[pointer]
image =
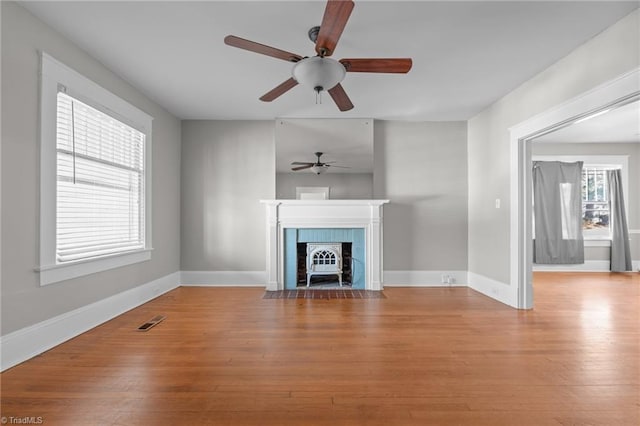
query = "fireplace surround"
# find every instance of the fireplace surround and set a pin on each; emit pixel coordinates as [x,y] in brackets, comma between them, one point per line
[324,214]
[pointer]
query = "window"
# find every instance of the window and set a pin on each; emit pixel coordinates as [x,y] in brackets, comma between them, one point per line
[595,201]
[100,183]
[95,193]
[595,192]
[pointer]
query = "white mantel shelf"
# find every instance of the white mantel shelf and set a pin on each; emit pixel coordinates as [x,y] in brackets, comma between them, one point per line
[282,214]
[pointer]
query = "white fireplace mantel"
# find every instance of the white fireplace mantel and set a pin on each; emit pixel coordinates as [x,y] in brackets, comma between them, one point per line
[282,214]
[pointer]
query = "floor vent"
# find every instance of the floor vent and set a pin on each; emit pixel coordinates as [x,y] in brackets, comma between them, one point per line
[153,321]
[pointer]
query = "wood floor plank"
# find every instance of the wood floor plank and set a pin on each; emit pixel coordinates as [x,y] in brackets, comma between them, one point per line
[441,356]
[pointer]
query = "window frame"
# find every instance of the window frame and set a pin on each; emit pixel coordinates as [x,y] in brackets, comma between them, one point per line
[597,238]
[56,77]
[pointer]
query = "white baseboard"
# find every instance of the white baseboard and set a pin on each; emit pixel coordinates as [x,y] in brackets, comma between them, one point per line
[587,266]
[424,278]
[494,289]
[30,341]
[223,278]
[259,278]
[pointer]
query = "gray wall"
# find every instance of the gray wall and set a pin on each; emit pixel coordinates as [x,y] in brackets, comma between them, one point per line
[358,186]
[606,56]
[422,169]
[24,302]
[633,191]
[227,167]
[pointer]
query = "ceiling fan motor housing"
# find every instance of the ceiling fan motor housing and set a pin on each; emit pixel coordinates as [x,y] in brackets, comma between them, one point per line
[313,33]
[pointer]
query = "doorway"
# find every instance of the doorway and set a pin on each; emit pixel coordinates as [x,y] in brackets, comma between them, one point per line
[609,96]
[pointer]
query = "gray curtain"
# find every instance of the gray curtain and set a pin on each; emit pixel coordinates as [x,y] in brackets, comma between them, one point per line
[620,251]
[557,200]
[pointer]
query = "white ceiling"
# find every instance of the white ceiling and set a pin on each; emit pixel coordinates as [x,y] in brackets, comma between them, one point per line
[465,55]
[616,125]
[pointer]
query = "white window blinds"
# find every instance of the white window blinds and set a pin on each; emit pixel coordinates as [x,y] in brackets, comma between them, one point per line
[100,183]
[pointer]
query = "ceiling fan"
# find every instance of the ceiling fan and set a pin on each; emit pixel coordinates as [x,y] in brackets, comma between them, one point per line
[321,72]
[318,167]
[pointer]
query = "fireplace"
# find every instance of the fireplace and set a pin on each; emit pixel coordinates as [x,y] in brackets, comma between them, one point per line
[339,256]
[323,259]
[354,222]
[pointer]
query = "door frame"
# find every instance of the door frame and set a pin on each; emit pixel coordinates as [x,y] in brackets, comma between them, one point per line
[618,91]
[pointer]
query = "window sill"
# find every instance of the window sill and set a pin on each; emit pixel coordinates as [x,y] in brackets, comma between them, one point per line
[597,242]
[50,274]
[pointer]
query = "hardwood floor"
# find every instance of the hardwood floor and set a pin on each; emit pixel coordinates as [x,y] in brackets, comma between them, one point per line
[431,356]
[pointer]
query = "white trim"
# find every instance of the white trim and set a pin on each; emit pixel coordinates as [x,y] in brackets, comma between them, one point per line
[497,290]
[223,278]
[54,74]
[634,231]
[592,101]
[59,73]
[600,242]
[587,266]
[30,341]
[55,273]
[424,278]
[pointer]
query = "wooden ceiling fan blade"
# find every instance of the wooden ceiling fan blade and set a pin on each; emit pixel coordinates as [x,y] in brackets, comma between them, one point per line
[336,15]
[252,46]
[302,167]
[386,65]
[300,163]
[340,167]
[279,90]
[340,97]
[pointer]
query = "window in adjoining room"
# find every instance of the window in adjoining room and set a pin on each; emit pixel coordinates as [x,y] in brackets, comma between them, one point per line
[595,201]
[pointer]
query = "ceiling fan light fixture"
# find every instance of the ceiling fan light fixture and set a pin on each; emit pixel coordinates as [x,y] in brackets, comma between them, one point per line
[319,169]
[318,73]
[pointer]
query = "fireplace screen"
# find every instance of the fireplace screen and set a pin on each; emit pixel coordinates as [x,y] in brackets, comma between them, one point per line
[324,259]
